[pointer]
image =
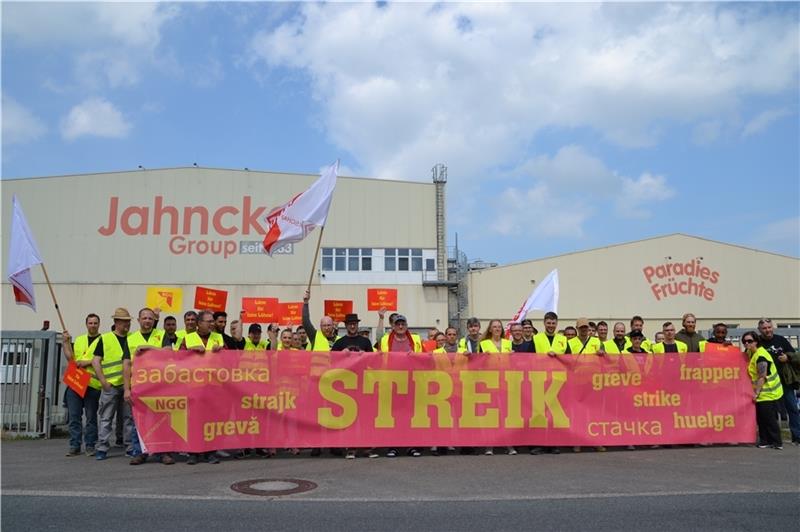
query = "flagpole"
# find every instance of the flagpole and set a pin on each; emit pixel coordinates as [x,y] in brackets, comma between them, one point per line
[53,295]
[316,256]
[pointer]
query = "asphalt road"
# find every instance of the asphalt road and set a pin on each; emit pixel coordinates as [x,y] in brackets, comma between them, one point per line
[666,489]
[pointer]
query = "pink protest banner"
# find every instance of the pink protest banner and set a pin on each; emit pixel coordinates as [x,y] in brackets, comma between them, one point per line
[233,399]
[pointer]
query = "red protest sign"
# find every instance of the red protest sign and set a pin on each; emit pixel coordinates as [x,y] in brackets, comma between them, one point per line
[76,378]
[260,310]
[378,298]
[290,313]
[337,309]
[210,299]
[711,347]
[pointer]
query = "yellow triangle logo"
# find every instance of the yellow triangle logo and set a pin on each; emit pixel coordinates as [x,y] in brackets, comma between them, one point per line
[176,407]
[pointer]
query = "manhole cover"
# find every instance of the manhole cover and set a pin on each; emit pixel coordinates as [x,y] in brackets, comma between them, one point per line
[273,487]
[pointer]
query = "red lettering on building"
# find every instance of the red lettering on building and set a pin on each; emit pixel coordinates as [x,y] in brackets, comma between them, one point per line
[671,279]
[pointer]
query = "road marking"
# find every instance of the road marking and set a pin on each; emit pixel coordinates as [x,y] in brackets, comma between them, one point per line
[552,496]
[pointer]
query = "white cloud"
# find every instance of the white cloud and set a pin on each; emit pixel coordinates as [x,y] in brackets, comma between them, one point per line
[538,212]
[111,41]
[94,117]
[783,236]
[762,121]
[638,196]
[19,124]
[706,133]
[404,85]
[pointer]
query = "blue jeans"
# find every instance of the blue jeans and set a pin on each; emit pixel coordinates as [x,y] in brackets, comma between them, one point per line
[135,443]
[790,403]
[76,405]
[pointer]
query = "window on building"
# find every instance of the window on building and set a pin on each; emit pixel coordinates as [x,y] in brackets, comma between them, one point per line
[340,263]
[390,260]
[352,259]
[430,265]
[416,260]
[366,259]
[402,259]
[327,259]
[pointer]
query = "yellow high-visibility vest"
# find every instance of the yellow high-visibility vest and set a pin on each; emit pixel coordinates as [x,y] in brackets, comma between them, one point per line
[772,389]
[488,346]
[82,351]
[250,346]
[415,340]
[577,347]
[659,347]
[193,340]
[112,358]
[542,344]
[136,339]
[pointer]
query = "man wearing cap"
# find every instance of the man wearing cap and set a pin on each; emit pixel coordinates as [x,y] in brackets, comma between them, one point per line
[584,343]
[637,324]
[352,341]
[637,342]
[471,343]
[399,339]
[108,353]
[253,342]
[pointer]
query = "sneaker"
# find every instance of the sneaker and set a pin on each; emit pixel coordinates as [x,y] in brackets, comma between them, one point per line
[129,454]
[778,447]
[555,450]
[192,460]
[630,447]
[414,452]
[536,450]
[373,454]
[488,452]
[223,454]
[212,458]
[434,451]
[73,452]
[138,460]
[512,451]
[100,455]
[762,446]
[166,459]
[350,455]
[391,453]
[90,451]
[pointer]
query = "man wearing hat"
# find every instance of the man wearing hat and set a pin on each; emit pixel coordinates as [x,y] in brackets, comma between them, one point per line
[108,353]
[352,341]
[253,342]
[584,343]
[637,342]
[399,339]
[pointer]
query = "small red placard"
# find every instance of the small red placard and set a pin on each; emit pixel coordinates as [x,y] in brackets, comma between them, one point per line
[378,298]
[260,310]
[76,378]
[337,309]
[290,313]
[210,299]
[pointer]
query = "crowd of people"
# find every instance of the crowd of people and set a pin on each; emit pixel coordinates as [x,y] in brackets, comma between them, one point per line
[773,364]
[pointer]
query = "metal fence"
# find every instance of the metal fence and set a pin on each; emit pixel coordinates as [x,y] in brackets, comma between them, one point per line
[30,382]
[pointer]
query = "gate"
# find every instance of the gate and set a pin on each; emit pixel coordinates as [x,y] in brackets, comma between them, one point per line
[30,382]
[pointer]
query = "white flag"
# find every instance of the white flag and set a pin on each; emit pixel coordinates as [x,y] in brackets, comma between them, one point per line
[22,256]
[293,221]
[544,297]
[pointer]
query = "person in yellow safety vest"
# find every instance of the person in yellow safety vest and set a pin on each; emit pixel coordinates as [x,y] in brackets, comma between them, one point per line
[253,342]
[107,353]
[471,343]
[619,343]
[190,326]
[767,391]
[145,339]
[440,341]
[583,344]
[450,342]
[494,342]
[637,324]
[325,337]
[549,341]
[81,353]
[552,343]
[670,344]
[399,339]
[204,340]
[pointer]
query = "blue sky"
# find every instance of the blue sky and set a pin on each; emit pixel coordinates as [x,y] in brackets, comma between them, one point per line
[563,126]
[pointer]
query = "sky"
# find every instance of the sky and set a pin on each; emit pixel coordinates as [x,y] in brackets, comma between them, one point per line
[563,126]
